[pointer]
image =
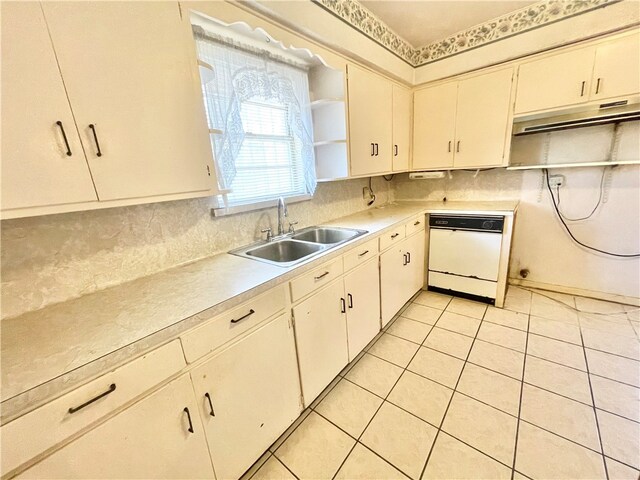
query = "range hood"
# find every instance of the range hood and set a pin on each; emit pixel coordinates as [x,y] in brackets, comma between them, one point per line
[614,112]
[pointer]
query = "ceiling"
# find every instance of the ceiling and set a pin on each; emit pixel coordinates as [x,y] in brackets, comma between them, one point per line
[421,22]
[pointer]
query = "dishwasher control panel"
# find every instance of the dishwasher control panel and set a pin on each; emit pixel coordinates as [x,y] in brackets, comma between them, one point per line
[467,222]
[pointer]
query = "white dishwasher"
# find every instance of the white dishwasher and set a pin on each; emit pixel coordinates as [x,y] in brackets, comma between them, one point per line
[464,255]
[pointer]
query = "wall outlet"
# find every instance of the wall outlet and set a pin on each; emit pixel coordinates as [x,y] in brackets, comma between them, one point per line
[556,181]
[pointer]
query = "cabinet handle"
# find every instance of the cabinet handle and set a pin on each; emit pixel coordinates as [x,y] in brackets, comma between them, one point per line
[582,88]
[416,223]
[449,148]
[408,257]
[343,307]
[363,253]
[404,259]
[376,149]
[112,388]
[236,320]
[373,149]
[395,235]
[598,85]
[350,297]
[395,147]
[212,412]
[458,146]
[321,276]
[95,138]
[186,410]
[64,137]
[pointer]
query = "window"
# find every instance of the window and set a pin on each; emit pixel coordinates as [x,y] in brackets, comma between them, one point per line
[259,117]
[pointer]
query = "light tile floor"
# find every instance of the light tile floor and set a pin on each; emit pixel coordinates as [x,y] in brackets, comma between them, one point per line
[546,388]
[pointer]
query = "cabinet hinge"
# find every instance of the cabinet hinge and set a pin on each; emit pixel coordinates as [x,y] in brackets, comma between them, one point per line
[208,170]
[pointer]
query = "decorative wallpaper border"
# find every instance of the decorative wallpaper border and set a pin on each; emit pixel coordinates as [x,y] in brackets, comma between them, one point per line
[508,25]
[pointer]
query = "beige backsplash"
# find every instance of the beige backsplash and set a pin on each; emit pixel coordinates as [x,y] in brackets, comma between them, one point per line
[54,258]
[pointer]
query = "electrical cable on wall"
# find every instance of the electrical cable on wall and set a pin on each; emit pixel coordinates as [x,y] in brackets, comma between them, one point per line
[566,227]
[598,203]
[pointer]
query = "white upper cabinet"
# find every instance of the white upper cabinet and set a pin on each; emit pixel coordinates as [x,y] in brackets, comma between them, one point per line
[370,122]
[463,123]
[402,109]
[483,120]
[129,70]
[38,166]
[434,126]
[605,70]
[616,71]
[555,81]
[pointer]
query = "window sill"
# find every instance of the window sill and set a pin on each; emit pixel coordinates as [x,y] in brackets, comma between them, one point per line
[250,207]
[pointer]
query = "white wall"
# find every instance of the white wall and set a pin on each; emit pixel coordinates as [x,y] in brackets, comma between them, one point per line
[540,243]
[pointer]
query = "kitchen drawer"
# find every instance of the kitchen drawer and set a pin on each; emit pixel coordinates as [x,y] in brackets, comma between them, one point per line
[392,237]
[225,327]
[316,278]
[39,430]
[474,286]
[361,254]
[415,225]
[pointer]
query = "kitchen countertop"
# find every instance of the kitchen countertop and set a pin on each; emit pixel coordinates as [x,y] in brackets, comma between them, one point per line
[47,352]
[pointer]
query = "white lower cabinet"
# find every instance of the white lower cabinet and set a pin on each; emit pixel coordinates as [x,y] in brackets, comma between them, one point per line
[248,395]
[401,274]
[362,287]
[159,437]
[321,338]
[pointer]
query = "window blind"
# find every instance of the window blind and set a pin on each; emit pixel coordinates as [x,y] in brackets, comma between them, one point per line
[259,115]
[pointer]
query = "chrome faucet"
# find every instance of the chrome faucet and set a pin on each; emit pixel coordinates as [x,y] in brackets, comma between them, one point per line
[282,214]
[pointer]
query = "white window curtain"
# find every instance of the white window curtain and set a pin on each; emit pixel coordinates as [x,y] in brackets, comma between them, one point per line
[259,114]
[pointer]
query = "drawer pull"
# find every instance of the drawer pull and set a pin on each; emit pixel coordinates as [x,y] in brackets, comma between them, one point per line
[582,88]
[417,222]
[395,235]
[186,410]
[363,253]
[408,257]
[66,142]
[236,320]
[321,276]
[343,306]
[212,412]
[112,388]
[598,86]
[404,259]
[350,297]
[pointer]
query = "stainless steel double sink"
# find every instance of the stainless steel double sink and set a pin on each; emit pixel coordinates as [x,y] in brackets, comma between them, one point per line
[298,247]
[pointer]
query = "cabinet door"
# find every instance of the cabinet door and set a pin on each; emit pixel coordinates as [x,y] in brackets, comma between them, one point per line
[402,109]
[254,395]
[370,123]
[37,169]
[362,287]
[392,283]
[415,278]
[434,123]
[555,81]
[129,71]
[321,338]
[617,69]
[483,120]
[150,439]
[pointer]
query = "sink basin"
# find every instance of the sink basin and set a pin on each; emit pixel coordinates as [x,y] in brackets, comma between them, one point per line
[326,235]
[293,249]
[284,251]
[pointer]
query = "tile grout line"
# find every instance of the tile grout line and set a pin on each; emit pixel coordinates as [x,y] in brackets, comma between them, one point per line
[409,303]
[435,438]
[593,400]
[524,366]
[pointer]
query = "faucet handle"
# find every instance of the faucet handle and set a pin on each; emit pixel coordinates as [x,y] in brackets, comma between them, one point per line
[268,232]
[291,225]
